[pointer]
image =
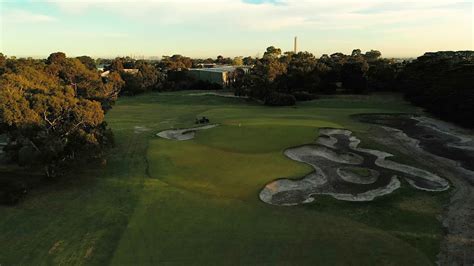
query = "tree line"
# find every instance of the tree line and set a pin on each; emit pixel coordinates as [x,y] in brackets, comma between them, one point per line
[440,82]
[53,109]
[284,78]
[443,84]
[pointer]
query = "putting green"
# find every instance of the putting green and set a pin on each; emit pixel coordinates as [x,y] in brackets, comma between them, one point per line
[196,202]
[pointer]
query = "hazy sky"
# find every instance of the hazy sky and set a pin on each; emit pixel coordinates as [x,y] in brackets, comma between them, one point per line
[232,27]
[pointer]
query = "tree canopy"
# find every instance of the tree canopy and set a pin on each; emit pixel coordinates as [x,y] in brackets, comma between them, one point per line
[53,112]
[302,74]
[443,83]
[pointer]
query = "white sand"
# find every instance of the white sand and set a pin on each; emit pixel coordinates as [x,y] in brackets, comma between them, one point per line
[392,165]
[446,128]
[371,194]
[351,177]
[183,134]
[318,179]
[299,153]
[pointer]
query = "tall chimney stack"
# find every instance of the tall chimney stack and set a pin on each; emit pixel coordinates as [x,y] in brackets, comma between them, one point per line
[295,48]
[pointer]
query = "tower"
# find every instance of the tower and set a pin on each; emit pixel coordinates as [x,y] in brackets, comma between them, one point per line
[295,45]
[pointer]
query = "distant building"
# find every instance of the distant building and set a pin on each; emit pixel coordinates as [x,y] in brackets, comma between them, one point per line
[206,65]
[133,71]
[217,74]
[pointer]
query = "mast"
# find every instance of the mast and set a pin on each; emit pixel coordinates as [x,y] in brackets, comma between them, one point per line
[295,45]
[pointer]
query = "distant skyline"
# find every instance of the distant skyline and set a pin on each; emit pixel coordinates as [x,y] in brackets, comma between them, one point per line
[201,29]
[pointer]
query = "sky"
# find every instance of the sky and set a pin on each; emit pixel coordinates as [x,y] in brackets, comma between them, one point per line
[207,28]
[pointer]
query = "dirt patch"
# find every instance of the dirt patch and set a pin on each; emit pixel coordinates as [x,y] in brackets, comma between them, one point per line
[332,160]
[183,134]
[419,205]
[89,253]
[56,247]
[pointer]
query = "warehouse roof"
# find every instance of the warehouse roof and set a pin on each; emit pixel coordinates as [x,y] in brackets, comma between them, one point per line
[219,69]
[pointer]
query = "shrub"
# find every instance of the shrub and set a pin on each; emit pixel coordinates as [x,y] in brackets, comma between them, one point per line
[279,99]
[304,96]
[205,85]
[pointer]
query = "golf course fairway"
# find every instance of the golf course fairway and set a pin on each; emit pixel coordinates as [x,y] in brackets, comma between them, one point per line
[196,202]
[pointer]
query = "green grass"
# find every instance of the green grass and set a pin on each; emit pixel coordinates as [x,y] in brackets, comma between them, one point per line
[364,172]
[196,202]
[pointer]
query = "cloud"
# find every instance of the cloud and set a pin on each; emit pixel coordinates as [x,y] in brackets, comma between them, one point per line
[390,7]
[24,16]
[258,2]
[233,26]
[270,15]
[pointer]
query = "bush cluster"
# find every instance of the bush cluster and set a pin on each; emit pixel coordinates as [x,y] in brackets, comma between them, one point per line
[279,99]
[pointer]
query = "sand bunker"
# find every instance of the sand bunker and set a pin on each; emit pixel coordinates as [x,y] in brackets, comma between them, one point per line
[183,134]
[414,176]
[371,194]
[345,172]
[434,136]
[303,152]
[445,128]
[354,175]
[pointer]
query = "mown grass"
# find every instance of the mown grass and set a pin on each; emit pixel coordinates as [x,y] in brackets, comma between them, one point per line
[174,226]
[196,202]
